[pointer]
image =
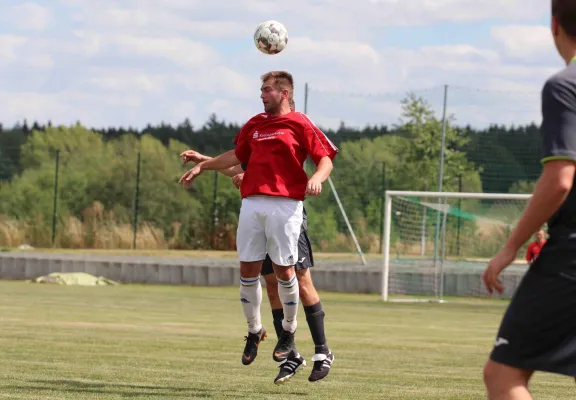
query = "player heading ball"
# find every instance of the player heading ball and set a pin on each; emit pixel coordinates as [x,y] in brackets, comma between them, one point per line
[274,145]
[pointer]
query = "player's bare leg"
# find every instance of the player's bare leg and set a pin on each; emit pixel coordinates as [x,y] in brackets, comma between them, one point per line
[294,361]
[323,357]
[506,383]
[251,298]
[289,296]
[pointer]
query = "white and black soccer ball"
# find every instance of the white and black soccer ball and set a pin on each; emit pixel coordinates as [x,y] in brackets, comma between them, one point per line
[271,37]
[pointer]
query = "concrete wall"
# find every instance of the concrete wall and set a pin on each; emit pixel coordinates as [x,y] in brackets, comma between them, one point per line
[344,276]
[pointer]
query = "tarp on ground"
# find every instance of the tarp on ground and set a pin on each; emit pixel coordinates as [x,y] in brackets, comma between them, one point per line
[74,279]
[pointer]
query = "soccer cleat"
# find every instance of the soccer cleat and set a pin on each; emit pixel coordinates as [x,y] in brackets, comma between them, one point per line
[322,364]
[289,367]
[284,347]
[252,342]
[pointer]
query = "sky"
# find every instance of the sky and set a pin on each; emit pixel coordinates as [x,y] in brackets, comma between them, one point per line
[133,62]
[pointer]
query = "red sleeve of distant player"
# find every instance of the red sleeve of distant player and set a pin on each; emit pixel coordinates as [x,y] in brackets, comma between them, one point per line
[316,142]
[530,252]
[242,144]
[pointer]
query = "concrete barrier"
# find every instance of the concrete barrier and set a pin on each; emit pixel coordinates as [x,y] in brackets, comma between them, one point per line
[336,276]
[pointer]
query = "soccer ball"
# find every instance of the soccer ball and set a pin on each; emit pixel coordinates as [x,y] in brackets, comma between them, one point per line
[271,37]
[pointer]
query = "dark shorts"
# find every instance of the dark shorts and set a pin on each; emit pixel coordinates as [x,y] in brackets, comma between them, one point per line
[538,331]
[305,258]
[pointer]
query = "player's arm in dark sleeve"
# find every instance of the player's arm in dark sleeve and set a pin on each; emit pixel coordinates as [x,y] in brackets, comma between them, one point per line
[559,158]
[559,122]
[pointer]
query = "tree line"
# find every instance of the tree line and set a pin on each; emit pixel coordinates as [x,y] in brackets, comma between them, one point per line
[113,180]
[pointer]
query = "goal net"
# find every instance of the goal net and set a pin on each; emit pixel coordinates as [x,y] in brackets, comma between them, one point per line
[435,242]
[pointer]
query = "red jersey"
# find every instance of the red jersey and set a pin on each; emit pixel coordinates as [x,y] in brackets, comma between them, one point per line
[533,251]
[277,148]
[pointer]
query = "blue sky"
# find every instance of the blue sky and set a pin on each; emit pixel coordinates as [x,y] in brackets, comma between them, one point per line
[134,62]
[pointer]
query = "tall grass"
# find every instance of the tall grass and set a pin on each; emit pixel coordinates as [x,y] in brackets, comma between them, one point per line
[98,229]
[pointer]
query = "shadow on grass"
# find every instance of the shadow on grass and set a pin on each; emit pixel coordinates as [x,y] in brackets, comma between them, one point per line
[134,391]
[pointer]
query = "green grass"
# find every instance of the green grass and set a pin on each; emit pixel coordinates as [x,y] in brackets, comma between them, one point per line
[159,342]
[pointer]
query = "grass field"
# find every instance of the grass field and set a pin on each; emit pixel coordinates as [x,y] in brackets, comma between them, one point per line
[158,342]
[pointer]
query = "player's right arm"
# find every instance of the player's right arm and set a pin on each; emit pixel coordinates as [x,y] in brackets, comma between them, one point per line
[194,156]
[223,161]
[240,155]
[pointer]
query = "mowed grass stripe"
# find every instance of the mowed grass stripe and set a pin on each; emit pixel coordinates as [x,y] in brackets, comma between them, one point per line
[161,342]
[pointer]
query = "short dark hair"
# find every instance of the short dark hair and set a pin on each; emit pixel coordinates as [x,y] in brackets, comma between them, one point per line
[282,81]
[565,12]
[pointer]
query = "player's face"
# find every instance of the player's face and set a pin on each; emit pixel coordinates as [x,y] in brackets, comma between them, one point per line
[271,96]
[555,28]
[559,37]
[540,236]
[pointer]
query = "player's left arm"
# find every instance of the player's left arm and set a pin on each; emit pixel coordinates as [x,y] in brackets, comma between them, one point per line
[556,180]
[322,151]
[323,169]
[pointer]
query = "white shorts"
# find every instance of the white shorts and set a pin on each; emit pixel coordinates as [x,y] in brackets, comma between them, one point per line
[269,225]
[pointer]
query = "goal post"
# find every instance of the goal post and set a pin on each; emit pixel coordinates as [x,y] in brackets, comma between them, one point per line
[427,235]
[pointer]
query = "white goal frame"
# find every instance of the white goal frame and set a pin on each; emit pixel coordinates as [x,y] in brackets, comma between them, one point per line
[390,194]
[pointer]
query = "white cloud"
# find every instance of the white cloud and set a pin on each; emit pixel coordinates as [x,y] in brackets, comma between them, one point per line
[454,58]
[401,12]
[221,80]
[416,12]
[304,49]
[483,87]
[128,81]
[32,105]
[182,110]
[165,21]
[29,16]
[144,61]
[39,61]
[340,20]
[524,42]
[175,49]
[9,45]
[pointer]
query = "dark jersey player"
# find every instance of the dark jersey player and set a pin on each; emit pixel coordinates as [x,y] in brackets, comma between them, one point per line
[277,143]
[308,294]
[538,331]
